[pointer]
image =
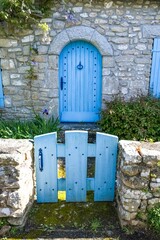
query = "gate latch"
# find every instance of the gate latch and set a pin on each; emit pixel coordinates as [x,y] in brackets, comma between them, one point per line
[40,159]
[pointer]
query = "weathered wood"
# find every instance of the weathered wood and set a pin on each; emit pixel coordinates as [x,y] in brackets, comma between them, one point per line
[47,177]
[76,150]
[106,155]
[76,165]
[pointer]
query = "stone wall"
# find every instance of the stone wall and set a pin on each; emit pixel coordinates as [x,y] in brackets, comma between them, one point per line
[123,31]
[138,181]
[16,179]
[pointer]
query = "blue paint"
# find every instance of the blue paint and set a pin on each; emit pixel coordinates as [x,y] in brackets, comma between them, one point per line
[46,177]
[1,91]
[155,70]
[80,82]
[76,150]
[76,165]
[106,156]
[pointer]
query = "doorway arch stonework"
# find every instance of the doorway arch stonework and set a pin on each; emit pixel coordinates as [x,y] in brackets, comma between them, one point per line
[71,34]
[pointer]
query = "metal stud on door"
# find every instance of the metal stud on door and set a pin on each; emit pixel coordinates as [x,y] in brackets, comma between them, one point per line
[80,82]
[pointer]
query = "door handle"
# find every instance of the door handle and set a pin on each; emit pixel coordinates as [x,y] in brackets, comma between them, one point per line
[62,83]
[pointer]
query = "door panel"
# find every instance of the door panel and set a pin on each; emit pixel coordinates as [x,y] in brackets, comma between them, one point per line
[80,82]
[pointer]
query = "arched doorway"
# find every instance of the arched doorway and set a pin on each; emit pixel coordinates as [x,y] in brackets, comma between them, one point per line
[80,82]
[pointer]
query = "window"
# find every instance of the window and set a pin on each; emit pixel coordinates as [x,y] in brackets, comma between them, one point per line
[155,71]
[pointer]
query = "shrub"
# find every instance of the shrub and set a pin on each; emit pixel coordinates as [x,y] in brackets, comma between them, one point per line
[28,129]
[154,218]
[135,120]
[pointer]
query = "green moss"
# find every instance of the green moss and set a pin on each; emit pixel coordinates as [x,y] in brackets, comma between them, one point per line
[69,215]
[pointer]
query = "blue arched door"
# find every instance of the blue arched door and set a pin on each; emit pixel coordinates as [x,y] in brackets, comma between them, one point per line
[80,82]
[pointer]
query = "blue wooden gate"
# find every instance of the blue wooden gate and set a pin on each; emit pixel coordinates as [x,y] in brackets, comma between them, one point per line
[80,73]
[155,72]
[76,150]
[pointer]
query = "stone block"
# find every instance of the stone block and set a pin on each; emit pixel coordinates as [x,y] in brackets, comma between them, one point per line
[77,9]
[14,75]
[125,215]
[58,24]
[118,29]
[58,43]
[7,64]
[130,170]
[130,153]
[80,32]
[108,62]
[130,205]
[15,50]
[6,78]
[110,85]
[53,62]
[5,43]
[42,49]
[120,40]
[28,39]
[3,53]
[7,102]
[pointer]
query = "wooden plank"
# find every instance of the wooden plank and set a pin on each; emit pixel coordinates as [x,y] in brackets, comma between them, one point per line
[155,73]
[46,178]
[91,150]
[61,150]
[62,184]
[106,155]
[90,184]
[1,91]
[76,165]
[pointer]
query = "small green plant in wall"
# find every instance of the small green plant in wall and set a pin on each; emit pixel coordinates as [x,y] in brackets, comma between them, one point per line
[154,218]
[31,73]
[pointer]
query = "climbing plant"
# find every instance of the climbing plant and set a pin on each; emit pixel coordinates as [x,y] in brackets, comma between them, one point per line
[23,13]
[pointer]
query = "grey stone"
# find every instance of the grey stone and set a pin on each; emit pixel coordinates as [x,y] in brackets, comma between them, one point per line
[84,15]
[27,39]
[151,31]
[58,24]
[131,205]
[120,40]
[80,32]
[125,215]
[110,85]
[7,64]
[4,230]
[4,42]
[118,29]
[77,9]
[6,78]
[130,170]
[43,49]
[102,44]
[135,182]
[58,43]
[129,152]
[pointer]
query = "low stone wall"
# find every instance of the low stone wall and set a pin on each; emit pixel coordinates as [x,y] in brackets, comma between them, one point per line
[138,181]
[16,179]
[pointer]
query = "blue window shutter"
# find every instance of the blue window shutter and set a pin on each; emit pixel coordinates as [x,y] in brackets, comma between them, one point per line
[155,71]
[1,91]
